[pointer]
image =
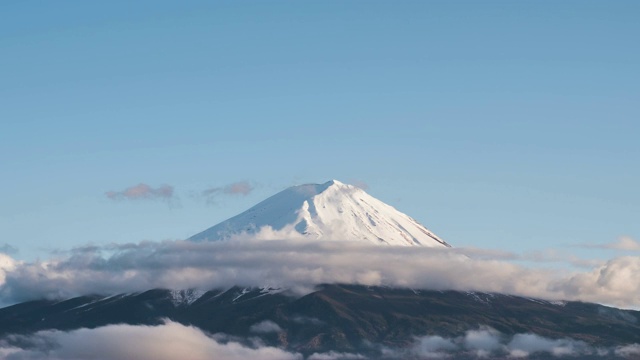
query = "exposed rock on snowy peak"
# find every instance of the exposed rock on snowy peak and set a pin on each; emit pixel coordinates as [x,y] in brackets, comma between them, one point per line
[329,211]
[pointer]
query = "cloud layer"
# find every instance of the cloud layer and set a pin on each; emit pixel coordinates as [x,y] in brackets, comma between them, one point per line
[299,265]
[169,341]
[488,343]
[176,341]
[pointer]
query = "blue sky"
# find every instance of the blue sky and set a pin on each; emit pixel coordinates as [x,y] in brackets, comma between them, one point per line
[510,124]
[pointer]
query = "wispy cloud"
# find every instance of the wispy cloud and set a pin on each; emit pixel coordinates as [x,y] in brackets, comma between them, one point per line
[238,188]
[211,195]
[556,256]
[265,327]
[142,192]
[624,243]
[300,265]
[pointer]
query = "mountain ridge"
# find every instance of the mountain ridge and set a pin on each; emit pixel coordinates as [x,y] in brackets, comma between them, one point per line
[336,317]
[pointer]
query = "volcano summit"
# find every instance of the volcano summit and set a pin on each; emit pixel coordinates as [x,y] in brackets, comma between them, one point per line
[329,211]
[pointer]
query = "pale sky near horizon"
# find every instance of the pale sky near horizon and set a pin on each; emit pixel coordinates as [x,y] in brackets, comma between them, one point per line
[507,125]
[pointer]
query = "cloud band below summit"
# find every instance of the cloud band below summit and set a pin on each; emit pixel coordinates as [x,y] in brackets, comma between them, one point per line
[301,265]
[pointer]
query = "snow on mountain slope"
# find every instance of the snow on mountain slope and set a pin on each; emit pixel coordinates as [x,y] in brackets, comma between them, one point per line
[185,297]
[329,211]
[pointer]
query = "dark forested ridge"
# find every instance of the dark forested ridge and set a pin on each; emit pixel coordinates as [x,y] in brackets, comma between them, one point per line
[334,317]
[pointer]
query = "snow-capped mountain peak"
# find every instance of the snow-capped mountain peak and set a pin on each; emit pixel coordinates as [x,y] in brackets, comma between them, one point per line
[329,211]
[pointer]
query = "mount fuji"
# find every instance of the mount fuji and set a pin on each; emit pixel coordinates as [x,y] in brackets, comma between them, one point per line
[339,320]
[329,211]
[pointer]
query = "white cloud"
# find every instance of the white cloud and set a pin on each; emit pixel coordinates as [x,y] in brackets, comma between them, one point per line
[7,264]
[264,327]
[299,265]
[614,282]
[115,342]
[488,343]
[632,350]
[433,347]
[483,341]
[333,355]
[523,345]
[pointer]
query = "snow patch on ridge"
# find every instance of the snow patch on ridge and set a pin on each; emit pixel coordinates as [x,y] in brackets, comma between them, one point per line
[256,293]
[185,297]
